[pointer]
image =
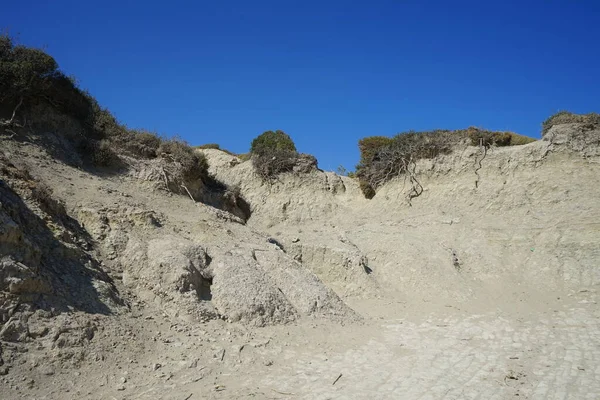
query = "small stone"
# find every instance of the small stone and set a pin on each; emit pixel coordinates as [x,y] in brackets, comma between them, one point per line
[156,366]
[295,240]
[123,380]
[120,387]
[3,370]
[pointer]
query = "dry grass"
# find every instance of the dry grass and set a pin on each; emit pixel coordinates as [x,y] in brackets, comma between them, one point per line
[194,165]
[566,117]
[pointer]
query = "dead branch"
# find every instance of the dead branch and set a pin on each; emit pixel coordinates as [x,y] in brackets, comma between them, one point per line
[165,178]
[337,379]
[10,131]
[284,393]
[11,121]
[188,192]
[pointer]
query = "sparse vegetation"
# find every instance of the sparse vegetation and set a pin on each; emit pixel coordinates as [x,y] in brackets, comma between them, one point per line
[209,146]
[29,77]
[42,195]
[244,156]
[215,146]
[194,165]
[36,95]
[566,117]
[487,138]
[103,154]
[383,158]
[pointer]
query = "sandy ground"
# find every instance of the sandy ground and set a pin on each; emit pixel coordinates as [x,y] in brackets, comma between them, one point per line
[430,330]
[404,351]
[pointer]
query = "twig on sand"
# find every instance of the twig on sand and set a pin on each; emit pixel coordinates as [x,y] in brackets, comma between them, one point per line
[223,355]
[284,393]
[189,396]
[188,192]
[336,379]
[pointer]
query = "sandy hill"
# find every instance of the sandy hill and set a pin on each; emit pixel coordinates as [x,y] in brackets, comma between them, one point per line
[114,286]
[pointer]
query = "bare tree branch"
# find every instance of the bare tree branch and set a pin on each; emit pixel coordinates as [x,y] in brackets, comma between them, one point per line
[11,122]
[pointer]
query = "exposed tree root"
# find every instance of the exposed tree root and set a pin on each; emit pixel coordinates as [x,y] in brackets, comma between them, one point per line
[416,187]
[478,164]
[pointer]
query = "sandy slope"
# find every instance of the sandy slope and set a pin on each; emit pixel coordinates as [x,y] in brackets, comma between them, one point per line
[484,290]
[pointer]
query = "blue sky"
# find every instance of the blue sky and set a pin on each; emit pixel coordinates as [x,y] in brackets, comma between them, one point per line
[326,72]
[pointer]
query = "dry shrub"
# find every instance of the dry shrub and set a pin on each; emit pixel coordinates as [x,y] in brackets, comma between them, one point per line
[270,163]
[42,195]
[214,146]
[367,189]
[103,154]
[10,170]
[244,156]
[383,158]
[494,138]
[193,164]
[139,143]
[566,117]
[387,158]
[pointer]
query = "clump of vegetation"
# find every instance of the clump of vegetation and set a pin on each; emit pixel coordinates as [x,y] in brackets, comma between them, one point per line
[244,156]
[483,137]
[566,117]
[30,77]
[36,95]
[274,152]
[138,143]
[383,158]
[103,154]
[42,195]
[272,141]
[194,165]
[214,146]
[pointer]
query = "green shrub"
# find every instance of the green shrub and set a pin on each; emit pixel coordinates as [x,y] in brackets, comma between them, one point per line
[272,140]
[29,76]
[273,153]
[34,89]
[566,117]
[369,146]
[367,189]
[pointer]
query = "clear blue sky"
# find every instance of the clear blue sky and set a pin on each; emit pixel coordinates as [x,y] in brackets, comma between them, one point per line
[326,72]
